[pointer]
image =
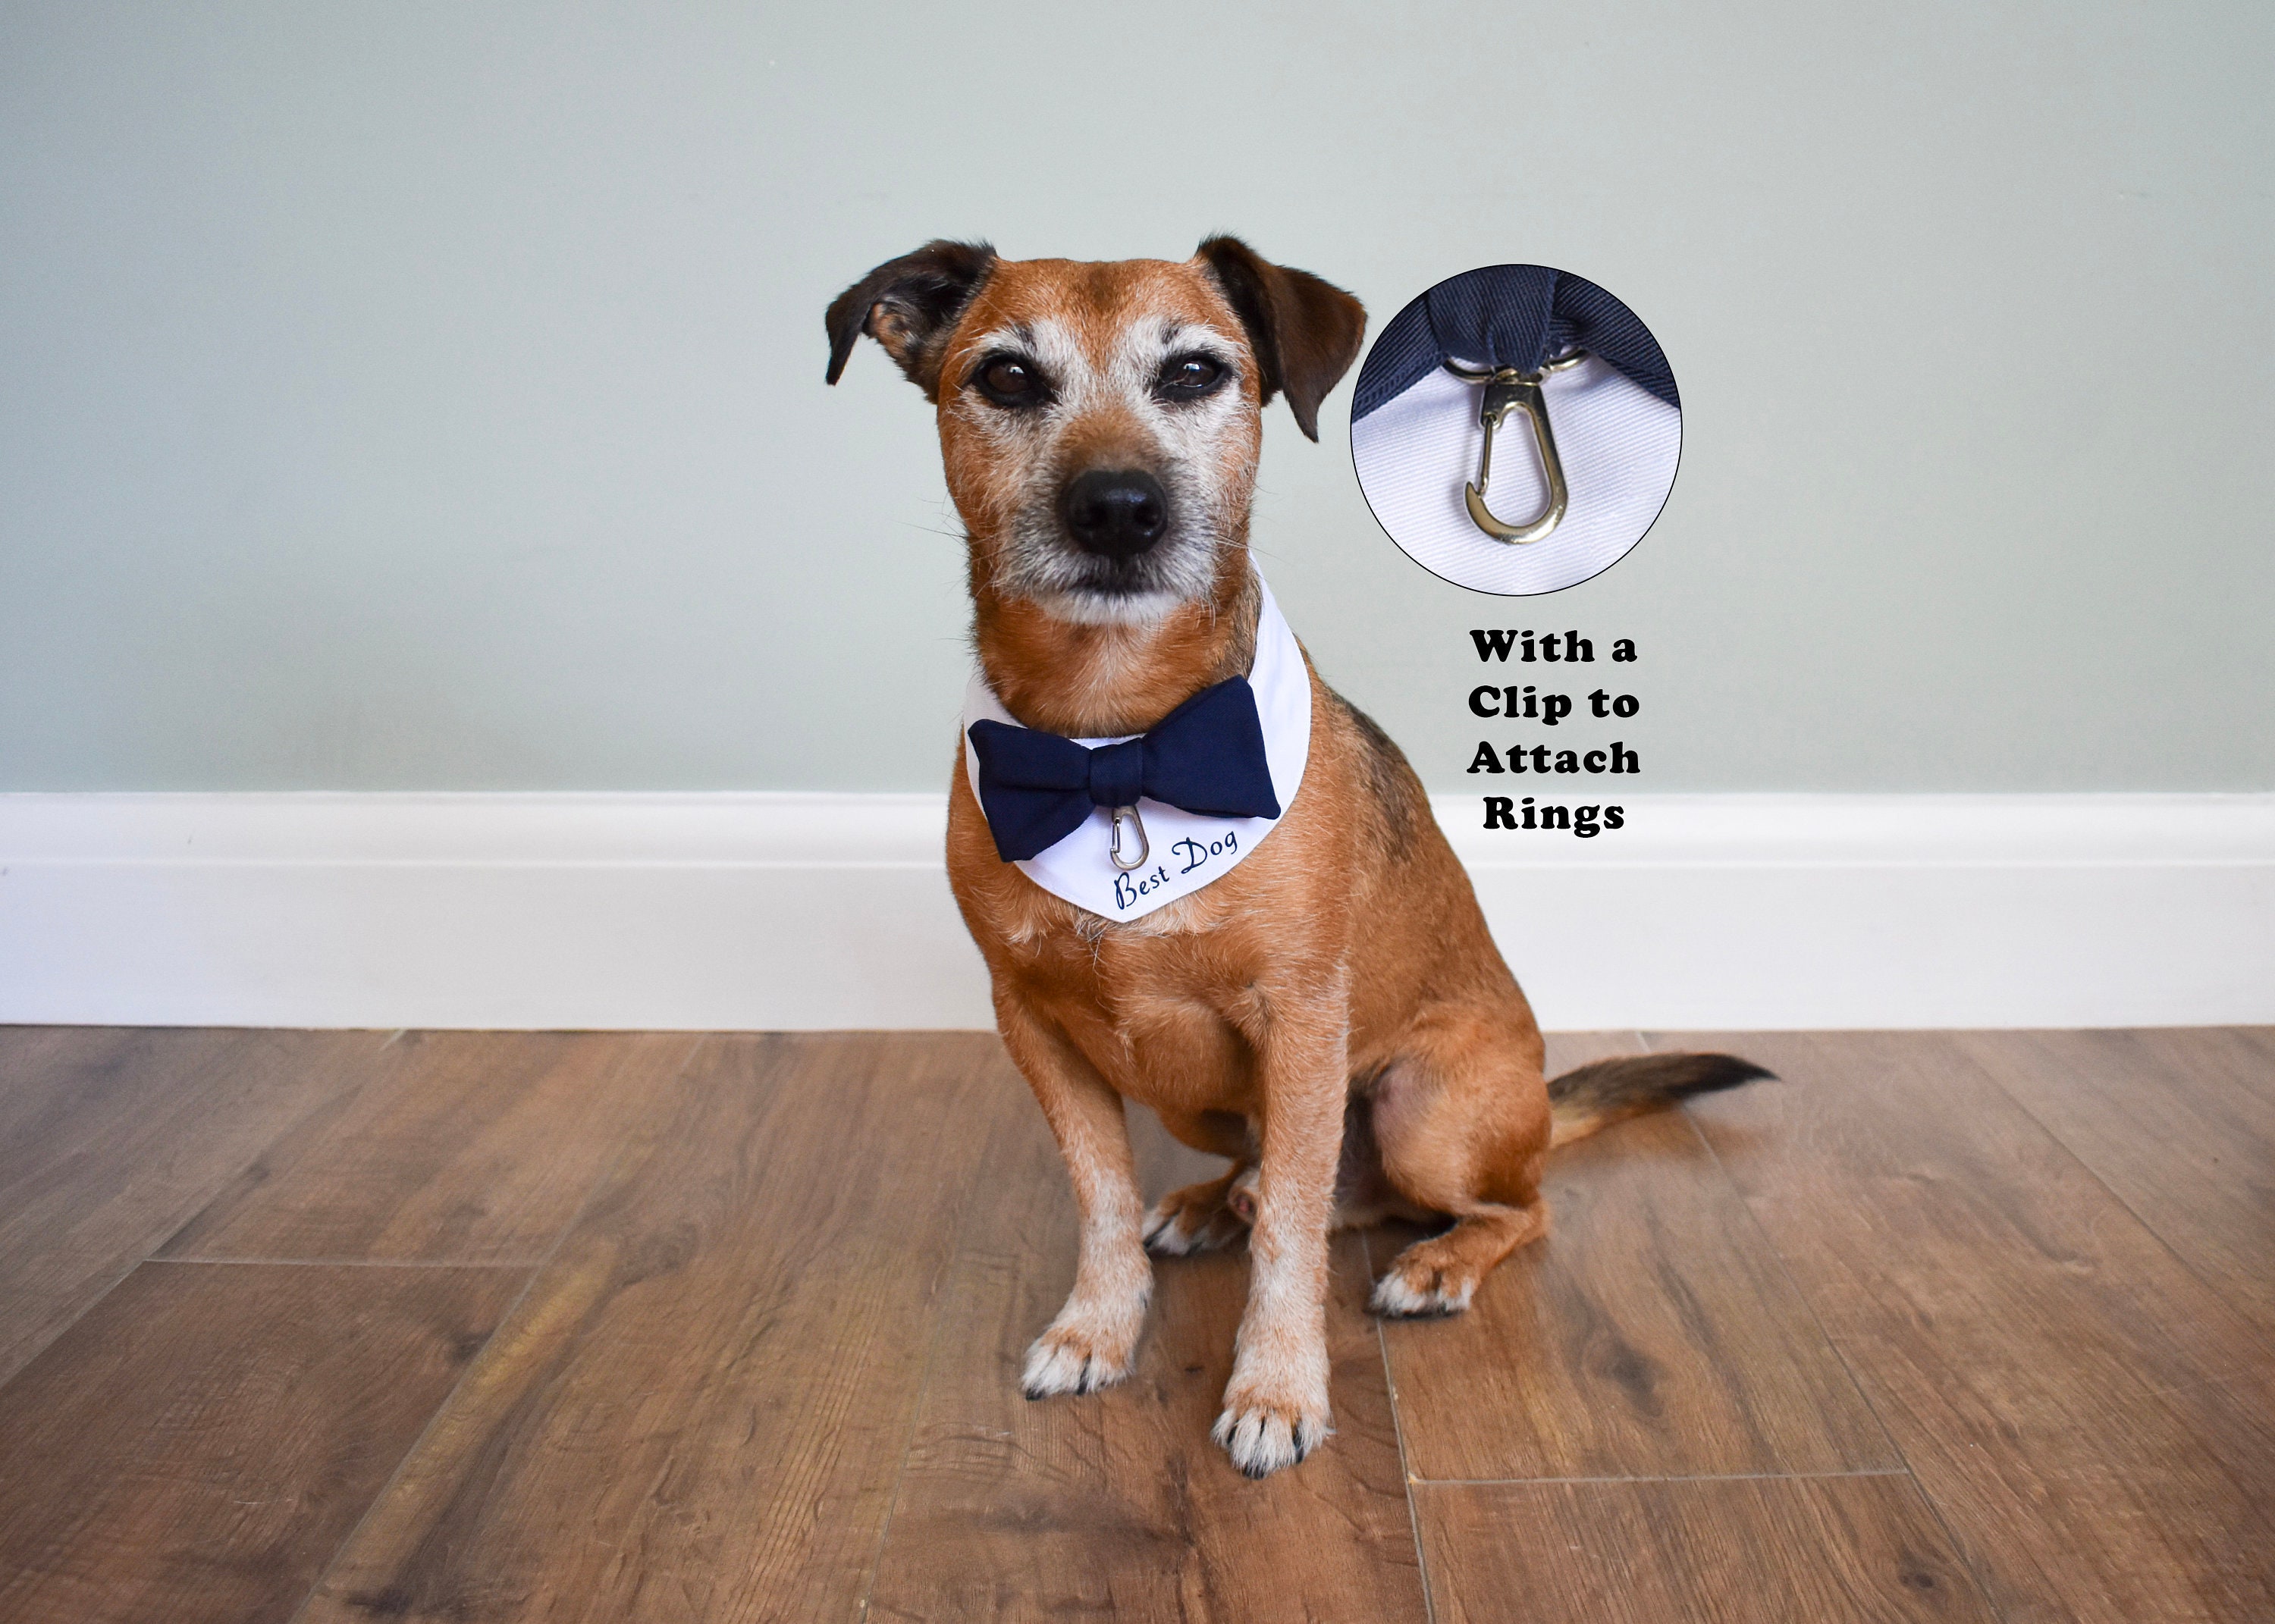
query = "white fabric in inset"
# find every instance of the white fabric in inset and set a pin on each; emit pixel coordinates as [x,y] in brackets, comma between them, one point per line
[1186,849]
[1618,442]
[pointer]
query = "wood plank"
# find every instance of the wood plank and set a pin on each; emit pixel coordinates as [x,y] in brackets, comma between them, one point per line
[199,1444]
[1118,1503]
[457,1146]
[1652,1334]
[2180,1126]
[700,1409]
[2094,1423]
[110,1137]
[1713,1551]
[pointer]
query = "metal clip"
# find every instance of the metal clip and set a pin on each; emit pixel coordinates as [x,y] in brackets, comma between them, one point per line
[1506,391]
[1144,846]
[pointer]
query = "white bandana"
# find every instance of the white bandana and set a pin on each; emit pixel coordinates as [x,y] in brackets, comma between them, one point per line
[1186,849]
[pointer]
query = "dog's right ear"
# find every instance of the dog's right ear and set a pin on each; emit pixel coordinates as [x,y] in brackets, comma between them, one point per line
[910,305]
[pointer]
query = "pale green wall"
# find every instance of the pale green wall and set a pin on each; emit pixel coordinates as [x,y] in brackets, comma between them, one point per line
[430,397]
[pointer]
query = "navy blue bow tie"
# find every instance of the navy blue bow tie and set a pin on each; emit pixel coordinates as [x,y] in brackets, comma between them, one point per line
[1207,756]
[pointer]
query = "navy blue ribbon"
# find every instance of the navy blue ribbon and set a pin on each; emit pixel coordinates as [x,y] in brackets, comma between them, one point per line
[1510,315]
[1207,756]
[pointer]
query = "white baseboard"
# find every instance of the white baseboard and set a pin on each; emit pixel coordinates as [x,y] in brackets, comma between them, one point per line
[743,911]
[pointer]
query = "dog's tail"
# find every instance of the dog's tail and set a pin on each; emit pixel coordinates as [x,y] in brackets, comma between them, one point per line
[1595,1096]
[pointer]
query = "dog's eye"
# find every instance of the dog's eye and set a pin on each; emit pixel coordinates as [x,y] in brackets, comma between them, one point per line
[1188,377]
[1009,381]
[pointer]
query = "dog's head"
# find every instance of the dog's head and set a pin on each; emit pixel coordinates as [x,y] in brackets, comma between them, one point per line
[1101,422]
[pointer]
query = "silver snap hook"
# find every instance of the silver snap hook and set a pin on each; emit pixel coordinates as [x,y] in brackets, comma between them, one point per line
[1508,389]
[1144,846]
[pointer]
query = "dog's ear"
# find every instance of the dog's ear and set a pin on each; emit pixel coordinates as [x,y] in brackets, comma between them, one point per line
[1305,331]
[910,305]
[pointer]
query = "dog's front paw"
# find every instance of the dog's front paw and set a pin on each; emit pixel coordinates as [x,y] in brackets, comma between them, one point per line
[1264,1429]
[1427,1281]
[1083,1351]
[1202,1218]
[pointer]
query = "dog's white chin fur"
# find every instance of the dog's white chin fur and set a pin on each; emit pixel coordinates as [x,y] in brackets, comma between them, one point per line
[1103,608]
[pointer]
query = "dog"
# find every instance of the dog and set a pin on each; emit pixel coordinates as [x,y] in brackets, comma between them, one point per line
[1331,1014]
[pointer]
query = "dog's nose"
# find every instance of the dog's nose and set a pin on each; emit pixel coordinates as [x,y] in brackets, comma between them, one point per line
[1119,513]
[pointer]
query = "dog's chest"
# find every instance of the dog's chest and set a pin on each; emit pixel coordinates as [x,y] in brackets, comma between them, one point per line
[1160,1011]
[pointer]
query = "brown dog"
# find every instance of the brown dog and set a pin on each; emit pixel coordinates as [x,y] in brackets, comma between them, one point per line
[1332,1014]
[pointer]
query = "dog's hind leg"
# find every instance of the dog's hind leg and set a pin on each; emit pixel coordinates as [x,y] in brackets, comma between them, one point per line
[1463,1124]
[1220,1211]
[1090,1344]
[1206,1216]
[1439,1276]
[1200,1217]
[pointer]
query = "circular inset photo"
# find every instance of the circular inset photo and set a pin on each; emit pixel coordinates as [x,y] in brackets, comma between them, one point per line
[1516,429]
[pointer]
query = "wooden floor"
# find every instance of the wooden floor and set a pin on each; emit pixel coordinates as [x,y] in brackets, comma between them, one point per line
[465,1327]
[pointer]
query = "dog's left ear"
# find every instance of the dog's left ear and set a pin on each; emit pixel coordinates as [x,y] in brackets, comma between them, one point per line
[1305,331]
[910,305]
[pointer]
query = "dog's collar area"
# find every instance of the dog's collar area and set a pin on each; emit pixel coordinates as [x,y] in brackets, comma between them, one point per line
[1122,826]
[1444,459]
[1507,326]
[1509,316]
[1205,757]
